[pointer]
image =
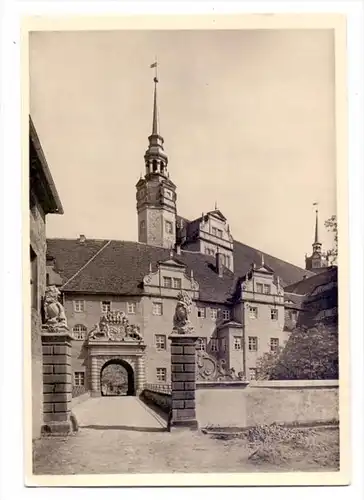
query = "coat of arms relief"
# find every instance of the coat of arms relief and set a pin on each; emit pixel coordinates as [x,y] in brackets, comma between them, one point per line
[115,326]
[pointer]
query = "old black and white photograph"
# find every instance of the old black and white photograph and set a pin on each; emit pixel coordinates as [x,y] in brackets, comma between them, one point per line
[184,237]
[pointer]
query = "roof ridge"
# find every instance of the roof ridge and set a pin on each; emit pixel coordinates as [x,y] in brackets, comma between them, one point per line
[87,263]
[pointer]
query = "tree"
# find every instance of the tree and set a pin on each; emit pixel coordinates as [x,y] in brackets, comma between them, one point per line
[331,225]
[309,354]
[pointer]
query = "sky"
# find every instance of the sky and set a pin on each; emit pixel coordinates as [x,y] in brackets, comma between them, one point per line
[247,117]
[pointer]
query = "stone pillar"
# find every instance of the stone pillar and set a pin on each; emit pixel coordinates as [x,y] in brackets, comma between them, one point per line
[57,382]
[140,374]
[95,377]
[183,375]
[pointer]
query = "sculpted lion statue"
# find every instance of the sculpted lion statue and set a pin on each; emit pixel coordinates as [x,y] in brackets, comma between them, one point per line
[55,317]
[181,323]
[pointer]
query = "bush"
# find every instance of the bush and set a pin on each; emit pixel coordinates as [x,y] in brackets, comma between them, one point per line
[309,354]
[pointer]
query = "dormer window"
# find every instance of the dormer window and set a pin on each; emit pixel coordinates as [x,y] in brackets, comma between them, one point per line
[177,283]
[267,289]
[167,282]
[259,288]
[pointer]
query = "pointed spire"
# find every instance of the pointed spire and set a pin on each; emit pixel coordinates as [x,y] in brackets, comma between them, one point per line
[316,228]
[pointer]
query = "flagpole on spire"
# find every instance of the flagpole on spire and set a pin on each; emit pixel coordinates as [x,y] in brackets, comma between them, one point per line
[155,110]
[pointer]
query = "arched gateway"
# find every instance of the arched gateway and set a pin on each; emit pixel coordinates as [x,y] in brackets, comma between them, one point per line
[115,341]
[117,378]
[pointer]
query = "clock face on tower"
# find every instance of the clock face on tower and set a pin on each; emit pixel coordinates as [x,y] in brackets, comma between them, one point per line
[168,194]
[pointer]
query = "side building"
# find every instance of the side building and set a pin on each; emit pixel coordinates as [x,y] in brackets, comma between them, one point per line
[43,200]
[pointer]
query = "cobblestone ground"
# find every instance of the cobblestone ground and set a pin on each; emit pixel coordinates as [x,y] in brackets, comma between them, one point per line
[130,438]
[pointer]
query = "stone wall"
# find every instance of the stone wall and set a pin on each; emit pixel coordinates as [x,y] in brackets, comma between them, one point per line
[235,405]
[163,400]
[38,245]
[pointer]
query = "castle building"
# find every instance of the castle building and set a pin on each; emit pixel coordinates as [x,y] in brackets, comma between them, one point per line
[240,307]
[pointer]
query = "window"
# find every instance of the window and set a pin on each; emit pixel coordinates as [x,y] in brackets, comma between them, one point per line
[216,232]
[292,314]
[177,283]
[253,343]
[79,332]
[226,314]
[161,374]
[201,312]
[223,345]
[34,278]
[131,307]
[214,313]
[253,312]
[79,378]
[237,343]
[79,306]
[157,309]
[142,228]
[167,282]
[106,306]
[213,345]
[227,261]
[169,227]
[274,344]
[252,373]
[259,288]
[267,289]
[274,314]
[201,344]
[160,342]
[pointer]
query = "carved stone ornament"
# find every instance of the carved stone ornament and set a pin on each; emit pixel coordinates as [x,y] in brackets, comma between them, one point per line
[54,314]
[115,326]
[213,370]
[181,322]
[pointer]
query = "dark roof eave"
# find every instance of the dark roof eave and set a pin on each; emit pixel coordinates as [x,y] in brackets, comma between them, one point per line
[55,202]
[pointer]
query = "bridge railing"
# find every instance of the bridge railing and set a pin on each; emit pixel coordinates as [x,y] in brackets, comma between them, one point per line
[160,388]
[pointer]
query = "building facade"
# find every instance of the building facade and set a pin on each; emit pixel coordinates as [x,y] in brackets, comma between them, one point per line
[240,306]
[43,200]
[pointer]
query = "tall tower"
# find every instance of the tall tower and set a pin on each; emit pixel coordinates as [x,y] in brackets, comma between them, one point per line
[156,193]
[317,261]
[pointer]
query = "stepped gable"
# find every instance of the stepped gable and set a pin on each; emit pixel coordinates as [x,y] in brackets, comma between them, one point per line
[118,267]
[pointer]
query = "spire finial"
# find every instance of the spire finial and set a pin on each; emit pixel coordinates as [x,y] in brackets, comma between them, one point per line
[155,107]
[262,256]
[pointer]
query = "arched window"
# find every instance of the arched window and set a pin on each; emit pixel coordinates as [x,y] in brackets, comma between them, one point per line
[155,166]
[79,332]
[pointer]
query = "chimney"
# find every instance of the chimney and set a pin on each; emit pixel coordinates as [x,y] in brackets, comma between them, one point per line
[219,264]
[82,238]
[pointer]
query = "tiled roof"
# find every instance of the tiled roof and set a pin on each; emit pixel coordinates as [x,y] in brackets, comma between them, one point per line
[307,285]
[118,267]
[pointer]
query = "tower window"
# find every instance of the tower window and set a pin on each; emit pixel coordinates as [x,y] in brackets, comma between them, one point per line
[169,227]
[155,166]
